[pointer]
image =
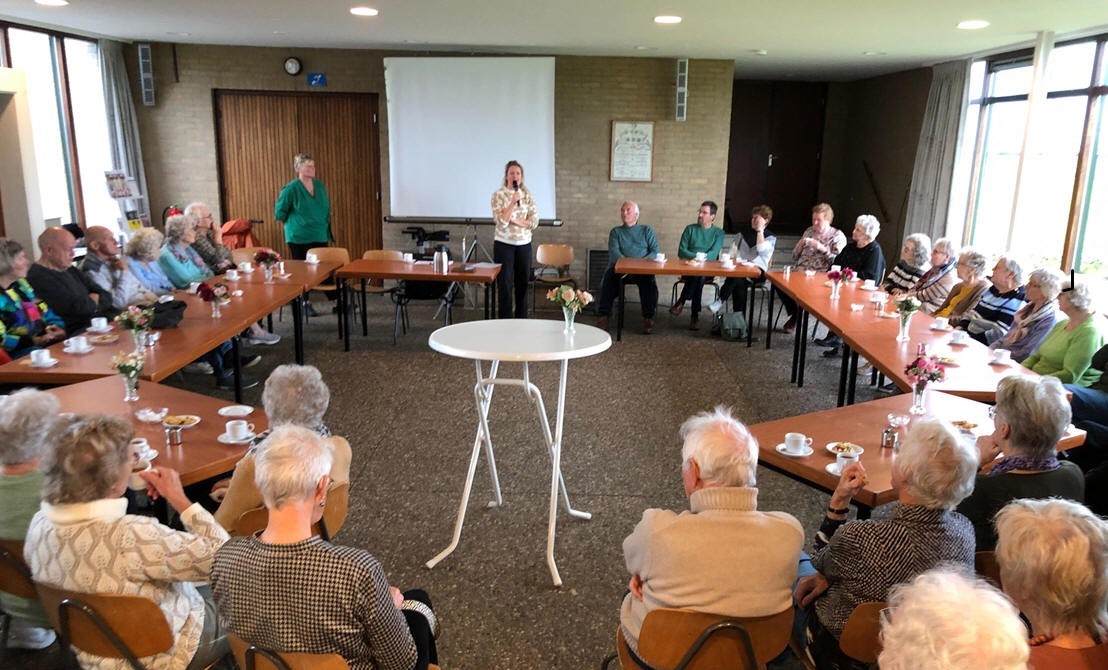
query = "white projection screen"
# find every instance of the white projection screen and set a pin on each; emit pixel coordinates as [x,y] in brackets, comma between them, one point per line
[454,122]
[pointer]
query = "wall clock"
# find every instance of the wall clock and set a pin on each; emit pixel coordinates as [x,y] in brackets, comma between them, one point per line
[293,66]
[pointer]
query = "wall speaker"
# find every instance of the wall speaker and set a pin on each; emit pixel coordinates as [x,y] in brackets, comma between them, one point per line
[681,107]
[146,74]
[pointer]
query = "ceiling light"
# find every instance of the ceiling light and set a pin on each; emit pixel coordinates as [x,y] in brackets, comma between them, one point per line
[759,52]
[973,24]
[667,19]
[363,11]
[874,53]
[52,3]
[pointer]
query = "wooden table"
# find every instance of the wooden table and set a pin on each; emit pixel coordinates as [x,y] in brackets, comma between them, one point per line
[683,267]
[200,456]
[867,334]
[862,424]
[364,270]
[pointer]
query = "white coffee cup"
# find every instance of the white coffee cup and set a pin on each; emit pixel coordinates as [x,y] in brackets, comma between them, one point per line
[41,357]
[239,429]
[409,258]
[139,447]
[99,323]
[77,343]
[701,256]
[725,258]
[836,268]
[135,482]
[660,257]
[246,266]
[942,322]
[958,337]
[796,443]
[231,274]
[194,286]
[1001,355]
[845,459]
[869,283]
[312,258]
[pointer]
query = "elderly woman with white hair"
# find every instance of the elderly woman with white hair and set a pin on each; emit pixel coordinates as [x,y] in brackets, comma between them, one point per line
[287,589]
[209,238]
[294,395]
[991,317]
[1035,319]
[141,255]
[914,261]
[723,555]
[932,288]
[1053,558]
[178,259]
[1019,459]
[867,261]
[1067,351]
[83,540]
[26,419]
[858,561]
[971,285]
[946,620]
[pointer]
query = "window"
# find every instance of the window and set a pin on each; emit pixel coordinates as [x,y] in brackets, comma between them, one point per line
[1037,194]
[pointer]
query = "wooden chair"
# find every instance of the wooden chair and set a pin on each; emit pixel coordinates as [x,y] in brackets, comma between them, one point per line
[250,657]
[340,254]
[985,565]
[244,254]
[334,515]
[399,312]
[552,262]
[15,579]
[861,638]
[673,639]
[111,626]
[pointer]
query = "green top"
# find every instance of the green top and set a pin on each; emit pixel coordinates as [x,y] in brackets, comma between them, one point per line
[307,218]
[637,241]
[20,495]
[696,239]
[1068,354]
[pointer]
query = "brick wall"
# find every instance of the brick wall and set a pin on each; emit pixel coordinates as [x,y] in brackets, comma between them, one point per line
[690,158]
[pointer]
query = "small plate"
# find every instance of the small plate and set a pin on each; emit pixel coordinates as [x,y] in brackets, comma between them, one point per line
[856,448]
[964,426]
[784,452]
[947,361]
[148,455]
[940,328]
[47,364]
[833,468]
[315,262]
[963,343]
[224,438]
[181,421]
[90,329]
[284,276]
[236,410]
[870,288]
[1002,364]
[249,272]
[103,339]
[887,315]
[78,352]
[237,292]
[150,415]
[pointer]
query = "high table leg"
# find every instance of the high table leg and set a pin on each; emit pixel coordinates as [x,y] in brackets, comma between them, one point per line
[298,328]
[798,334]
[344,319]
[365,318]
[236,356]
[769,316]
[852,378]
[802,333]
[622,299]
[844,370]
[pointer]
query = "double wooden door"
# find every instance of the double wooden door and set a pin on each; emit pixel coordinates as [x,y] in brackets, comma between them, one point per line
[259,132]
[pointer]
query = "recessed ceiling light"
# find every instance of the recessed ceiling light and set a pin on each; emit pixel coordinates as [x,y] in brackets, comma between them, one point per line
[52,3]
[973,24]
[759,52]
[874,53]
[178,34]
[363,11]
[667,19]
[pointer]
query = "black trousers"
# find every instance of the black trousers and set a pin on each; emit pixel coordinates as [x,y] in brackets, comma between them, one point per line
[515,273]
[421,630]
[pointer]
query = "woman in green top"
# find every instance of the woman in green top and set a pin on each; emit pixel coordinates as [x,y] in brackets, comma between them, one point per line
[1067,352]
[305,209]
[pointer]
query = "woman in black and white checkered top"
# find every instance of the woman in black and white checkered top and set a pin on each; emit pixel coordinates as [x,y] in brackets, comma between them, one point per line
[287,589]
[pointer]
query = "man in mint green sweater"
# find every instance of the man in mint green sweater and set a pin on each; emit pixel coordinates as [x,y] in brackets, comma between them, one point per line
[703,238]
[629,240]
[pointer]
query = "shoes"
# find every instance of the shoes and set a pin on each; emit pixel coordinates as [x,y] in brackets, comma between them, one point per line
[647,326]
[834,352]
[865,368]
[790,326]
[716,307]
[261,337]
[829,341]
[227,382]
[887,388]
[199,368]
[694,323]
[30,637]
[676,308]
[602,322]
[309,310]
[247,360]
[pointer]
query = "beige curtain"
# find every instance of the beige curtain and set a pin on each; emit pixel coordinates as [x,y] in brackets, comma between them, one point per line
[122,121]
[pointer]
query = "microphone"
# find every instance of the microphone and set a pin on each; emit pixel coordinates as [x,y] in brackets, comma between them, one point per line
[515,187]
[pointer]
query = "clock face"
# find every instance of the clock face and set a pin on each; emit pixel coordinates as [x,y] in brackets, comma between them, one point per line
[292,65]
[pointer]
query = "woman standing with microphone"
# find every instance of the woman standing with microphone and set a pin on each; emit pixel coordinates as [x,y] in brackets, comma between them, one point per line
[515,216]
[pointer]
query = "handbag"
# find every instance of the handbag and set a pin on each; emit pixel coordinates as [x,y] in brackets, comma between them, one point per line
[168,314]
[733,326]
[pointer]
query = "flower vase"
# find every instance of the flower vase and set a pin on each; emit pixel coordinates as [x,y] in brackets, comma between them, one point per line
[905,324]
[919,397]
[215,309]
[130,385]
[568,314]
[835,289]
[139,336]
[268,270]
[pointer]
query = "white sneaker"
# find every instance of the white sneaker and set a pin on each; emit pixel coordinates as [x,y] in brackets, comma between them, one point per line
[29,637]
[262,337]
[199,367]
[715,307]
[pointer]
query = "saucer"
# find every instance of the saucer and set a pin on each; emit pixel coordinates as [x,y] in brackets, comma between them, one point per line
[997,361]
[284,276]
[236,410]
[940,328]
[148,455]
[45,364]
[833,469]
[807,451]
[315,262]
[224,438]
[77,352]
[99,330]
[869,288]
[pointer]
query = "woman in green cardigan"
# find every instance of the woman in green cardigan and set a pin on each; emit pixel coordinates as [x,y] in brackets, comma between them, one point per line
[305,209]
[1067,352]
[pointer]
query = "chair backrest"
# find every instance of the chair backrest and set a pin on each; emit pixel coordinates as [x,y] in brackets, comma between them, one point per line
[111,626]
[334,515]
[244,254]
[861,638]
[556,255]
[984,564]
[15,576]
[250,657]
[340,254]
[383,255]
[687,640]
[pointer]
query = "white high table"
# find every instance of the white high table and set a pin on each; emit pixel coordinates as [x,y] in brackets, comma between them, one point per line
[524,341]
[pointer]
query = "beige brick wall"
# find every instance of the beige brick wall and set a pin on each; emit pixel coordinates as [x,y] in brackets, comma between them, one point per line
[690,158]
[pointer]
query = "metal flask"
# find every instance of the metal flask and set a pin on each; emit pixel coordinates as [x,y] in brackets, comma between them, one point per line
[442,261]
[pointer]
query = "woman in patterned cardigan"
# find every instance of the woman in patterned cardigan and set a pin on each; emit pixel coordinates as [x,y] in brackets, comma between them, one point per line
[26,322]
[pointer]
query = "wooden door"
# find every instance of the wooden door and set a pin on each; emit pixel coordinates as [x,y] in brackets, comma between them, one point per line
[259,132]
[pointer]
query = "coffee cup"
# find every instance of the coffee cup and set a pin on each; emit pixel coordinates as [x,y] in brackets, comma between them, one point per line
[1001,355]
[239,429]
[41,357]
[194,286]
[942,322]
[869,283]
[660,257]
[725,258]
[139,447]
[231,274]
[958,337]
[246,266]
[809,273]
[77,343]
[135,482]
[311,258]
[845,459]
[836,268]
[796,443]
[701,256]
[99,323]
[409,258]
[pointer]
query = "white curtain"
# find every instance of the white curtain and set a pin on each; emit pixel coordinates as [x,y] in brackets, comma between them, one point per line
[929,197]
[122,122]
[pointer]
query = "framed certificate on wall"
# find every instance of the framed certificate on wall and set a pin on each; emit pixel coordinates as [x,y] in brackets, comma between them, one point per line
[632,151]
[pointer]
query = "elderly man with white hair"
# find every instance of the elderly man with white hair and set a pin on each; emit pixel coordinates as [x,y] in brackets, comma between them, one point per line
[858,561]
[722,556]
[991,317]
[945,620]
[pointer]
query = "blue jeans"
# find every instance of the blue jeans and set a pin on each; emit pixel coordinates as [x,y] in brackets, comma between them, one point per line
[693,288]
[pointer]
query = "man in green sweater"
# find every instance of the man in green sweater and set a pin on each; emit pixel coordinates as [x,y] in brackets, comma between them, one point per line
[629,240]
[703,238]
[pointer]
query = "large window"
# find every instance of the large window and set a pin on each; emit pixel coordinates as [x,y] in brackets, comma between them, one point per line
[68,123]
[1038,193]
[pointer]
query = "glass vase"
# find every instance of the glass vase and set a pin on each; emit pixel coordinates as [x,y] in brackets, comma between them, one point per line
[902,334]
[919,398]
[268,270]
[568,314]
[835,285]
[139,336]
[130,387]
[215,309]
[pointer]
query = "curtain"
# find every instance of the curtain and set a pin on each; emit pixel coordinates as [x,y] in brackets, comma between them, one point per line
[122,122]
[929,197]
